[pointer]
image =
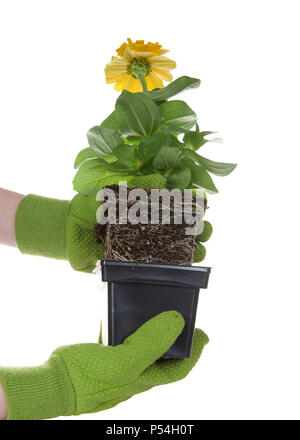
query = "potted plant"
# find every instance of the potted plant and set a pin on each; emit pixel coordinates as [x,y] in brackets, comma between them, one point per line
[149,142]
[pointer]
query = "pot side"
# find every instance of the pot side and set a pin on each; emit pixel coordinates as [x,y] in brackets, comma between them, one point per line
[136,292]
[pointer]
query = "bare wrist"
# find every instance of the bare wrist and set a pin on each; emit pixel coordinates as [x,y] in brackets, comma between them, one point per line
[9,203]
[3,407]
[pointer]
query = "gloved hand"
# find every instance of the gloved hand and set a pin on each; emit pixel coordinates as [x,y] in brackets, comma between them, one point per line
[59,229]
[65,230]
[88,378]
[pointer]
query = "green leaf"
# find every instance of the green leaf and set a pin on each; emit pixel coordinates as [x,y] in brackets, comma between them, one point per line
[178,115]
[117,165]
[150,145]
[196,139]
[108,159]
[110,122]
[199,253]
[167,157]
[92,176]
[127,155]
[204,133]
[200,177]
[137,114]
[175,142]
[155,181]
[111,163]
[180,179]
[83,156]
[217,168]
[179,85]
[103,140]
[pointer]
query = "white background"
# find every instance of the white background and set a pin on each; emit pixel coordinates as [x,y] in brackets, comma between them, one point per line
[52,90]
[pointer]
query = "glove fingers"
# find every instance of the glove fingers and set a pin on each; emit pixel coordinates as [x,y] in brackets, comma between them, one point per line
[206,233]
[82,249]
[171,370]
[199,253]
[152,340]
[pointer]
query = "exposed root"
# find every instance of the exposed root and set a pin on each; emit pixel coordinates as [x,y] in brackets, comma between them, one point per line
[149,243]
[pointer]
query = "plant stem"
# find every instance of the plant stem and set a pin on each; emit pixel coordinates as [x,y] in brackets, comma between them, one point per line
[142,80]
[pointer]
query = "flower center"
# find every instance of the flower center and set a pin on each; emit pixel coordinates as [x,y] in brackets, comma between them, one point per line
[139,66]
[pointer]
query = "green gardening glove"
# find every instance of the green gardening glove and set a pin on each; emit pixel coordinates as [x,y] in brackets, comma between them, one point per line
[88,378]
[65,230]
[59,229]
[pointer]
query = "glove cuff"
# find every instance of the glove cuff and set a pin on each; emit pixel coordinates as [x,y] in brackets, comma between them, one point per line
[40,226]
[38,393]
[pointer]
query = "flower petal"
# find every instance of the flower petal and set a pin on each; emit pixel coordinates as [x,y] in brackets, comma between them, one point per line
[136,86]
[115,67]
[129,54]
[111,79]
[156,81]
[149,83]
[117,64]
[143,50]
[162,63]
[165,75]
[121,49]
[120,84]
[132,84]
[128,82]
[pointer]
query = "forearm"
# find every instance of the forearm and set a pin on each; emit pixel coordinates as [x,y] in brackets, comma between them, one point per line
[9,203]
[3,408]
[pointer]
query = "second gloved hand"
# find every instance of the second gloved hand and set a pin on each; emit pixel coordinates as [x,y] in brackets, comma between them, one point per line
[88,378]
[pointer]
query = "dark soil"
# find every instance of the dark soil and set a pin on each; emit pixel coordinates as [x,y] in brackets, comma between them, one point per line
[148,243]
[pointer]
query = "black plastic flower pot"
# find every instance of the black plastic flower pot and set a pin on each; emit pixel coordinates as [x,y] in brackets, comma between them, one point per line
[138,291]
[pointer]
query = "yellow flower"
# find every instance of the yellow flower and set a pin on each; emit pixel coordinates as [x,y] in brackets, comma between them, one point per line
[139,60]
